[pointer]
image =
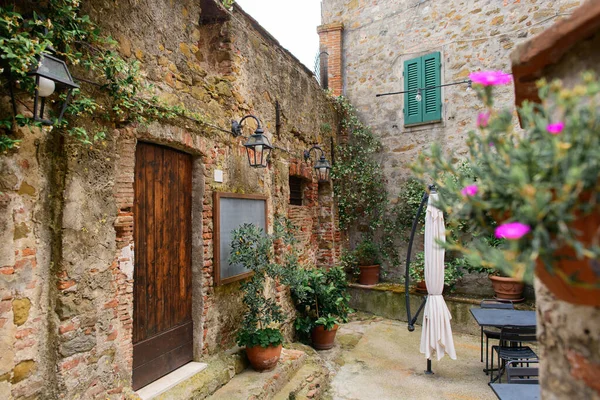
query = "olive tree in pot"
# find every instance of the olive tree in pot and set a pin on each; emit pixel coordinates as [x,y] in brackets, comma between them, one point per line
[260,332]
[367,255]
[322,302]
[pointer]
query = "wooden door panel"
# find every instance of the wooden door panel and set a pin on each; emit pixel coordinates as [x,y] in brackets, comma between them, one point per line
[162,323]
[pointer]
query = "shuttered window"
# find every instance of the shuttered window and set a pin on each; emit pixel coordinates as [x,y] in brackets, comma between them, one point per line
[421,73]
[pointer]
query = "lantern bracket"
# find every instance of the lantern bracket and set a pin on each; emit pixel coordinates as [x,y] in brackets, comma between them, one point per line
[236,127]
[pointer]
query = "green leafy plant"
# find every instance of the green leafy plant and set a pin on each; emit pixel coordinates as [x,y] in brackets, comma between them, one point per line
[321,298]
[82,45]
[367,252]
[254,249]
[452,270]
[530,186]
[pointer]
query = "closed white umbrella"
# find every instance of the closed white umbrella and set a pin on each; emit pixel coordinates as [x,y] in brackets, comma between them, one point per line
[436,336]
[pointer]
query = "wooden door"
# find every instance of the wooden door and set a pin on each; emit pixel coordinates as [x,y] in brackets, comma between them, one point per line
[162,291]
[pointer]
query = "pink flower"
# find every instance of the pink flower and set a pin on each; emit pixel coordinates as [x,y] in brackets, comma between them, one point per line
[556,128]
[490,78]
[483,119]
[470,190]
[512,230]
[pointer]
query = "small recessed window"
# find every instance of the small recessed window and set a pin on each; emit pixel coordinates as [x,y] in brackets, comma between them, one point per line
[296,190]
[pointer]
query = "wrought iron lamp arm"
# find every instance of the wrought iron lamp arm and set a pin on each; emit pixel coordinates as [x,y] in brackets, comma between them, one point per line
[315,147]
[236,127]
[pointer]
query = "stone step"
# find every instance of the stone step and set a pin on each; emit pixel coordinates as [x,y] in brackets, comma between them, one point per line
[310,382]
[220,370]
[252,385]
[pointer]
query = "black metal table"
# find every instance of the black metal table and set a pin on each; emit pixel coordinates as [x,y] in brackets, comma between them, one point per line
[501,317]
[514,391]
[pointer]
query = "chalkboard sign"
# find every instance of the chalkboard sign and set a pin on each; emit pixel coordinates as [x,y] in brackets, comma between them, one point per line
[230,211]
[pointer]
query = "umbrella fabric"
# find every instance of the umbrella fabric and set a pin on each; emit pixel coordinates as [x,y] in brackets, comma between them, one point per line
[436,336]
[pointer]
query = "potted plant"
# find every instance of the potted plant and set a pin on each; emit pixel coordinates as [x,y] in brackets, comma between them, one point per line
[537,189]
[452,273]
[417,272]
[322,303]
[259,332]
[367,256]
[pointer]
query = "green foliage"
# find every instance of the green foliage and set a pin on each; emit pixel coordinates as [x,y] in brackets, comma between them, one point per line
[537,178]
[452,270]
[359,182]
[253,248]
[228,3]
[82,45]
[367,253]
[321,298]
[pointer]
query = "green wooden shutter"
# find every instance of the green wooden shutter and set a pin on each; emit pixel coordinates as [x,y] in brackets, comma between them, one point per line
[432,98]
[413,112]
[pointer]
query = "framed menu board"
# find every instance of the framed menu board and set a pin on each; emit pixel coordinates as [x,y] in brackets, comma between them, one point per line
[230,211]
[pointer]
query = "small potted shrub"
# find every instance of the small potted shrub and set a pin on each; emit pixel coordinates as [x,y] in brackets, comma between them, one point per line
[417,272]
[452,273]
[260,332]
[367,256]
[322,303]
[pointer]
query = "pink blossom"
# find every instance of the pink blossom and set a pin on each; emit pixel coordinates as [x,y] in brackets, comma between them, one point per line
[556,128]
[470,190]
[490,78]
[512,230]
[483,119]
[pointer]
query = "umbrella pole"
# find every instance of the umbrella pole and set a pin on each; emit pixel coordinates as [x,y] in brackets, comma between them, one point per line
[428,371]
[411,321]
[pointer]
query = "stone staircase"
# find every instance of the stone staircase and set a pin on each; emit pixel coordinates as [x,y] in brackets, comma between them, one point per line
[302,373]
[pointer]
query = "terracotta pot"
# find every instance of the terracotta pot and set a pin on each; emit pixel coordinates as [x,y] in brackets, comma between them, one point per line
[586,270]
[263,358]
[323,339]
[369,274]
[507,288]
[421,287]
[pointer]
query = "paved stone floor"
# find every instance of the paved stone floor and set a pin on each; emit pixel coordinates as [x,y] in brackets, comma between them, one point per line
[380,359]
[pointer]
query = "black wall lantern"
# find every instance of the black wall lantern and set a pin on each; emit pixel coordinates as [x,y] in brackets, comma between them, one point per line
[258,145]
[322,166]
[49,74]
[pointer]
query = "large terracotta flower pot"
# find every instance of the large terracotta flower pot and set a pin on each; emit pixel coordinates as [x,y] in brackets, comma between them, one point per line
[263,358]
[507,288]
[586,271]
[322,339]
[369,274]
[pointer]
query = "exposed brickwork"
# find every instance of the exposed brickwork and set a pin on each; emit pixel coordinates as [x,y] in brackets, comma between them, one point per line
[66,314]
[330,39]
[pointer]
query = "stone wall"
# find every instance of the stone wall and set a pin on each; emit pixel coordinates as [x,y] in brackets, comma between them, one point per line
[66,219]
[378,36]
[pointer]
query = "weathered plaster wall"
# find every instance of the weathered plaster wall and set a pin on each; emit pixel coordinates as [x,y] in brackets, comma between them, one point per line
[67,259]
[471,35]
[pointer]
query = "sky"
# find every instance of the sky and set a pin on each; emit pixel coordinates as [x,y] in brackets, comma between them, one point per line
[292,22]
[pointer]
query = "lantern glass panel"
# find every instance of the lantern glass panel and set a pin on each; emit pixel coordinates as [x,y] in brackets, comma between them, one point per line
[55,69]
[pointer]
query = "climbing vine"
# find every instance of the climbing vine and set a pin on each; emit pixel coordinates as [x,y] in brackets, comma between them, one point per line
[124,97]
[360,188]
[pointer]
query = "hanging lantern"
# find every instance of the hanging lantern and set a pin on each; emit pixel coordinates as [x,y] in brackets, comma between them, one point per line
[51,73]
[258,145]
[322,166]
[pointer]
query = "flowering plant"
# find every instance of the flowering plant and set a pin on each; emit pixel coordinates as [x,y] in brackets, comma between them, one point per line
[531,185]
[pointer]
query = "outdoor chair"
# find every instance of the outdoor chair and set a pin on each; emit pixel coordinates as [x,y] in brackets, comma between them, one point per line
[511,348]
[490,332]
[520,374]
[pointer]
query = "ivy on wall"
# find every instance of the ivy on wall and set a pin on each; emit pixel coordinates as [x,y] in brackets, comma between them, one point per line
[123,96]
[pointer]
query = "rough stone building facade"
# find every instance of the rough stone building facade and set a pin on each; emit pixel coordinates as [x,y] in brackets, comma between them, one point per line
[66,210]
[375,38]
